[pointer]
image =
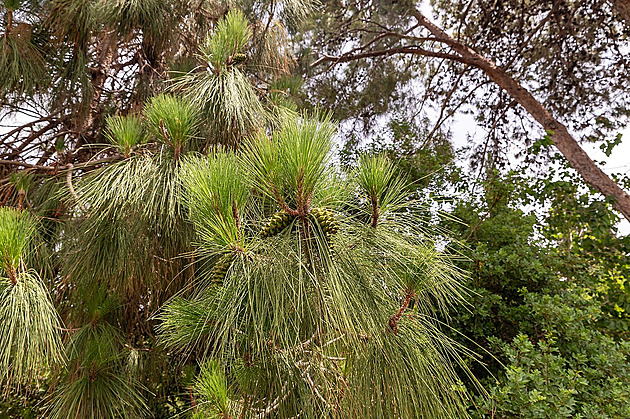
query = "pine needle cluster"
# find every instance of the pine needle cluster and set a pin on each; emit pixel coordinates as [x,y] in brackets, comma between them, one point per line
[29,323]
[294,328]
[217,263]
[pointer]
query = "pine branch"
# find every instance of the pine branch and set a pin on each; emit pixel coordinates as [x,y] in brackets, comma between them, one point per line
[395,319]
[56,167]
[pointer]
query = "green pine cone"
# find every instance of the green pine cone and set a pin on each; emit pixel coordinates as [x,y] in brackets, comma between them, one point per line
[239,58]
[327,222]
[221,267]
[278,222]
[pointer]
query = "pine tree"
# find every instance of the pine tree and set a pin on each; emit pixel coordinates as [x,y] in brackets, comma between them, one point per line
[215,261]
[328,312]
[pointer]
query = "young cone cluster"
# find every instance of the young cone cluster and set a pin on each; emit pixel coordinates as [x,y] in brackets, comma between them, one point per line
[220,268]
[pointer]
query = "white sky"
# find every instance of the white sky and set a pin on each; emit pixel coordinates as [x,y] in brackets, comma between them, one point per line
[618,162]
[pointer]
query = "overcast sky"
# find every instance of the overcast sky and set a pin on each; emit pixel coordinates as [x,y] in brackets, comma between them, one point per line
[618,162]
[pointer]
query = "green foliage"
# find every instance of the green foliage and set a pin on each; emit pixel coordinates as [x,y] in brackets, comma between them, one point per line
[12,5]
[29,323]
[282,93]
[293,325]
[97,384]
[290,166]
[378,180]
[186,323]
[424,159]
[294,12]
[17,230]
[125,132]
[547,295]
[212,392]
[14,405]
[216,191]
[543,311]
[311,312]
[153,17]
[97,395]
[227,99]
[221,90]
[173,121]
[133,235]
[29,329]
[228,40]
[284,285]
[22,68]
[570,370]
[74,19]
[22,182]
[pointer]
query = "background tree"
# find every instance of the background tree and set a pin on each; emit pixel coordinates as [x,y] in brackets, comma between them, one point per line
[548,295]
[538,62]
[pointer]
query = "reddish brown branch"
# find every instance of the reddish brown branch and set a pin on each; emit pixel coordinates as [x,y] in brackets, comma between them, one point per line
[388,52]
[395,319]
[106,57]
[55,167]
[376,213]
[13,275]
[9,22]
[282,203]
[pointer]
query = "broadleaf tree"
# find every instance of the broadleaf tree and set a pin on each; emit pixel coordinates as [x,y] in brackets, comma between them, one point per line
[555,68]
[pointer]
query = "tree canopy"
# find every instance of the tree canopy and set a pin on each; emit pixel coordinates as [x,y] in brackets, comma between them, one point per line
[255,209]
[541,62]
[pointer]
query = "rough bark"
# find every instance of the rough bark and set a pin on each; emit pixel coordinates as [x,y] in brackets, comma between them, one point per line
[108,52]
[623,8]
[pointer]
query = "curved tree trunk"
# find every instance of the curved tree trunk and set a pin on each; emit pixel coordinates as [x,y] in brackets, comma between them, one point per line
[559,134]
[623,8]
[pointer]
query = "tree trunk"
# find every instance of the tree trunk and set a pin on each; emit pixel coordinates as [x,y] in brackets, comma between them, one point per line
[623,8]
[558,133]
[105,58]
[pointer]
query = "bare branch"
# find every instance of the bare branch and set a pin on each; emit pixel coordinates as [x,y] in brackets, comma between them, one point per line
[386,53]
